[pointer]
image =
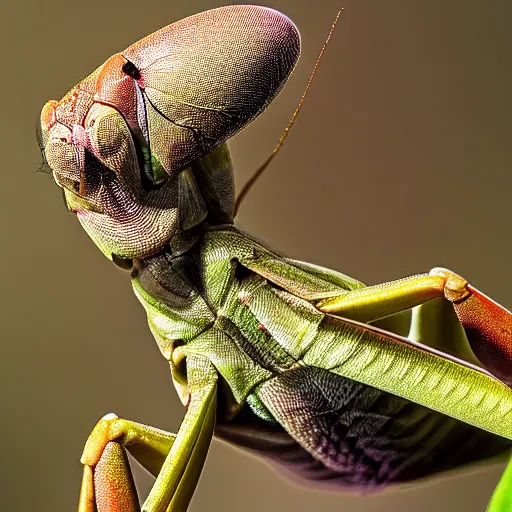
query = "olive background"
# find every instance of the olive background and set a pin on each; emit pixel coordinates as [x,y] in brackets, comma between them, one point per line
[400,161]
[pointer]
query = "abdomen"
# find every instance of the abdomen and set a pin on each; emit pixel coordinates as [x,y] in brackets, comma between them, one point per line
[329,429]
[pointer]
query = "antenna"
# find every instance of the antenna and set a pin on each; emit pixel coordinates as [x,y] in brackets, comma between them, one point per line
[257,174]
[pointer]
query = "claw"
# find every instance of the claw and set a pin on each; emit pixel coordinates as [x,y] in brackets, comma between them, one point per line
[98,439]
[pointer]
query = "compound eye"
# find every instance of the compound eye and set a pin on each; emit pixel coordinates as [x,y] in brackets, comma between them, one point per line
[112,144]
[63,157]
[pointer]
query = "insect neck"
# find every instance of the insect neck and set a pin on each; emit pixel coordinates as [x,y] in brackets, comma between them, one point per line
[206,191]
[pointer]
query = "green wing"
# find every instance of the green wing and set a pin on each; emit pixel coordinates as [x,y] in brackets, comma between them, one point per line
[389,362]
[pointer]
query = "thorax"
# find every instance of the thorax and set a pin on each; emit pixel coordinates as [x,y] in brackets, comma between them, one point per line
[196,300]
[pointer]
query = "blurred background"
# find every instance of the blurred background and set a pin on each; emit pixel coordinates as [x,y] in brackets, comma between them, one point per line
[400,161]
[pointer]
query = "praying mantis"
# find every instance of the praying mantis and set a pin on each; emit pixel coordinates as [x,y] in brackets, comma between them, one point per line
[303,365]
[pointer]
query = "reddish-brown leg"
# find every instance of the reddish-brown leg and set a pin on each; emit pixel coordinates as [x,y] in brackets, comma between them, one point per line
[488,325]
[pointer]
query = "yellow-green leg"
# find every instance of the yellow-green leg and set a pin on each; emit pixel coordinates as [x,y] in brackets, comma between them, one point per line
[107,476]
[379,301]
[175,460]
